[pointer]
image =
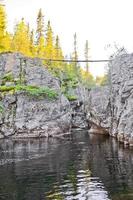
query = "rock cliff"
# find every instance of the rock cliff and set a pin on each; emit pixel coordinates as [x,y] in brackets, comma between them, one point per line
[122,98]
[98,107]
[111,108]
[79,114]
[31,103]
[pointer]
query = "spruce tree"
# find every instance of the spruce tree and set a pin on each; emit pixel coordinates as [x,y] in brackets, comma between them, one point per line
[87,55]
[58,54]
[75,54]
[87,76]
[32,47]
[40,26]
[21,39]
[49,48]
[40,34]
[75,65]
[58,50]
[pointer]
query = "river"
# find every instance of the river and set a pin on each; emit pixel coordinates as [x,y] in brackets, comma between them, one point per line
[81,167]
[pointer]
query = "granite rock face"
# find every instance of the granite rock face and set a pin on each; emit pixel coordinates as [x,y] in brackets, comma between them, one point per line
[122,98]
[112,108]
[99,110]
[79,114]
[25,116]
[107,109]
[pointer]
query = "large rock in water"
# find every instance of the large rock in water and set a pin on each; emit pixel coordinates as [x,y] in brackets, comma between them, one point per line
[26,116]
[111,108]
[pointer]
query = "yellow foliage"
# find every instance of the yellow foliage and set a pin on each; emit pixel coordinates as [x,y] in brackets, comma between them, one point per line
[32,46]
[101,80]
[21,40]
[45,47]
[40,47]
[49,47]
[2,28]
[7,42]
[57,53]
[85,74]
[87,78]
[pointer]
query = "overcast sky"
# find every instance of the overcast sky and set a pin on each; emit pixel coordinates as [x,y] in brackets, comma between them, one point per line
[101,22]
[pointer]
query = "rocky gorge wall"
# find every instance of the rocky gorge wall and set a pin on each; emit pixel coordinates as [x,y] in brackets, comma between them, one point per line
[31,102]
[110,109]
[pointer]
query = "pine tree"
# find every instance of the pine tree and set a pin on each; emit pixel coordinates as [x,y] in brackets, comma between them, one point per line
[2,27]
[49,48]
[57,48]
[58,55]
[87,79]
[75,54]
[87,55]
[40,25]
[40,34]
[32,47]
[40,47]
[21,39]
[75,65]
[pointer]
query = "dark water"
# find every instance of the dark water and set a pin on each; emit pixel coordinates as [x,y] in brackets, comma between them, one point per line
[82,167]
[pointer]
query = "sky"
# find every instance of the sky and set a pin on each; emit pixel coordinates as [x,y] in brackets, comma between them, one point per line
[101,22]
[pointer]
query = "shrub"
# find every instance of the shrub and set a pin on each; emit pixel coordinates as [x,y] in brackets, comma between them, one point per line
[31,90]
[7,78]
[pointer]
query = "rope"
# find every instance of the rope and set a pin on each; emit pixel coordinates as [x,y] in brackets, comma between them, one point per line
[74,61]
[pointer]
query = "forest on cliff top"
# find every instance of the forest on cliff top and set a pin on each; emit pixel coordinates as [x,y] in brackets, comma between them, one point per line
[42,43]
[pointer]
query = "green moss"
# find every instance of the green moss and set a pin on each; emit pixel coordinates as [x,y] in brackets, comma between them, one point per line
[1,107]
[5,88]
[71,97]
[8,77]
[31,90]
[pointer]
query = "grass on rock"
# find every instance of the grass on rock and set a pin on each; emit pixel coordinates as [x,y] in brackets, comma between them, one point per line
[31,90]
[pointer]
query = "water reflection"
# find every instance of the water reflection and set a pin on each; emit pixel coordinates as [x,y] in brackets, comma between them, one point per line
[81,187]
[82,167]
